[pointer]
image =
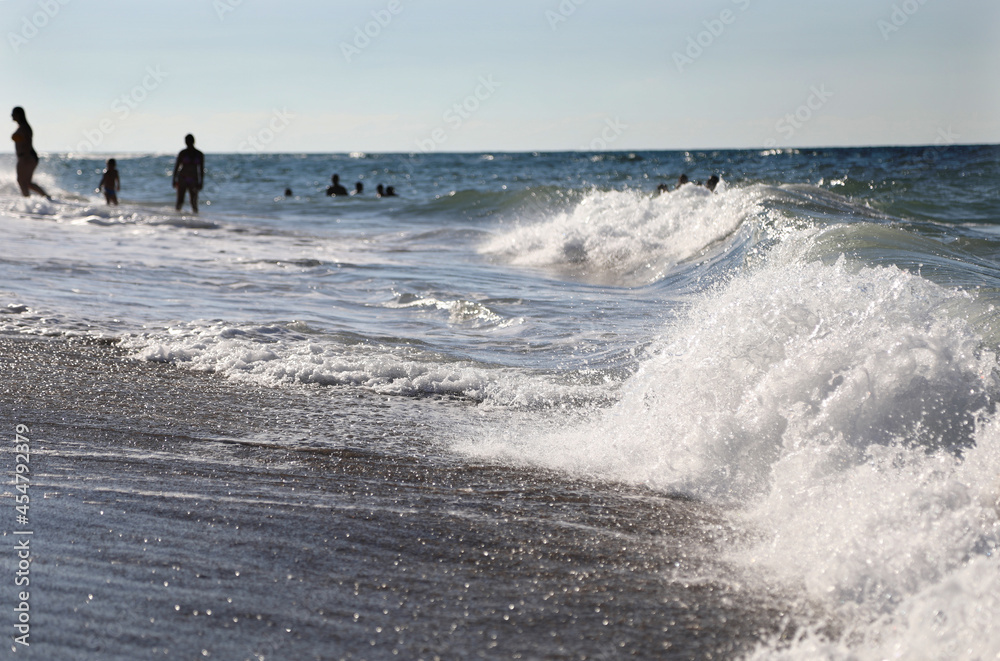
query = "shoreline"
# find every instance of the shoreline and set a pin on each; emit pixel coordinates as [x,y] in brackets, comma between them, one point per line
[174,533]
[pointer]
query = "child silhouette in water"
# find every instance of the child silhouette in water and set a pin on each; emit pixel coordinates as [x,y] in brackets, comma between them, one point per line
[110,182]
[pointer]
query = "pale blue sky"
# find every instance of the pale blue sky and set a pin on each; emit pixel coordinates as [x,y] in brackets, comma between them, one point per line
[119,76]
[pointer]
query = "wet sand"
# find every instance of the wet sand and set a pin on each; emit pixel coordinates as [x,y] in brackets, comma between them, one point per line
[179,515]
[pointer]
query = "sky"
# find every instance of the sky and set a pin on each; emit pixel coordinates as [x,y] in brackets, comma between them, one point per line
[116,76]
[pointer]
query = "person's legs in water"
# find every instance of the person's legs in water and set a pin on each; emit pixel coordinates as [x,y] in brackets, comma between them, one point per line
[25,171]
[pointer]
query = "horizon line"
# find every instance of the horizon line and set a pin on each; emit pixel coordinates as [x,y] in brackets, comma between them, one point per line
[523,151]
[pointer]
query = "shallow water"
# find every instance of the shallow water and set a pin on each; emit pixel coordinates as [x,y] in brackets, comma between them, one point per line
[249,530]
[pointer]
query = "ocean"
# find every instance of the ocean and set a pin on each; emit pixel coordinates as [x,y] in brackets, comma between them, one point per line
[527,409]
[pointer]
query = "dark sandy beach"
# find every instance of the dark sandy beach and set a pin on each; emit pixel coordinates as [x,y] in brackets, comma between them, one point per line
[179,515]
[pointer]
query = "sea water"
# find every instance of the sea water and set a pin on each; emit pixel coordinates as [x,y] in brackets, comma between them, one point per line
[808,354]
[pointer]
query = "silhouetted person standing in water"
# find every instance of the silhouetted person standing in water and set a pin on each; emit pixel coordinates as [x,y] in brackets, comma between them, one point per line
[110,182]
[27,158]
[335,188]
[189,173]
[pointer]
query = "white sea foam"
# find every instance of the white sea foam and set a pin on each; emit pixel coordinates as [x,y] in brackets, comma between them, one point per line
[629,235]
[282,354]
[844,414]
[901,552]
[460,312]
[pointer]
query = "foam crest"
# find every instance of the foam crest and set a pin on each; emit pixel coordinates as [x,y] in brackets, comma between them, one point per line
[627,235]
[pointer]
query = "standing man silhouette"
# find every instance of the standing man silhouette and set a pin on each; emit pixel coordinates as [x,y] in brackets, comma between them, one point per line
[189,173]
